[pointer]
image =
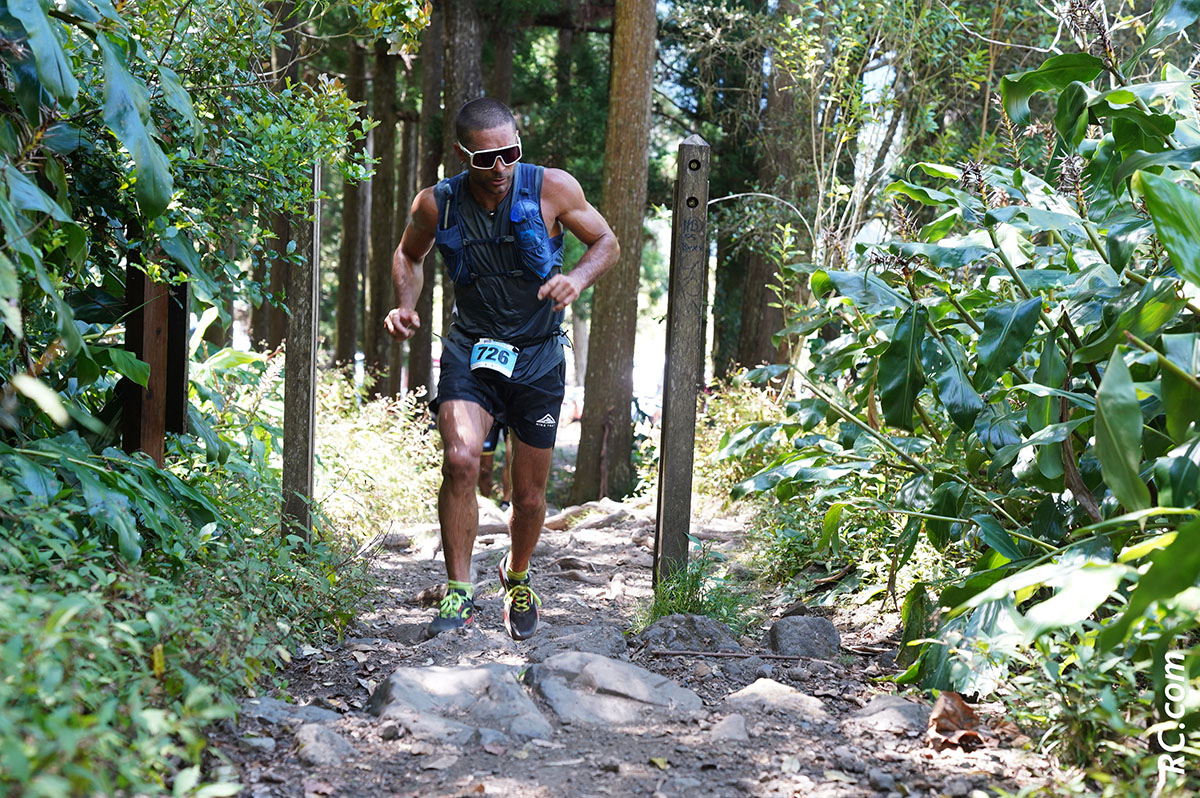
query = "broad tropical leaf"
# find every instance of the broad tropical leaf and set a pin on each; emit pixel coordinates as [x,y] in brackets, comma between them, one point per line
[901,377]
[1006,330]
[1180,398]
[1055,73]
[946,365]
[1176,214]
[53,67]
[127,113]
[1119,435]
[1173,569]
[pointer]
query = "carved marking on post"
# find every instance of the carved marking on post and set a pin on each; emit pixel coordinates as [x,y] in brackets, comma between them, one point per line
[300,375]
[685,356]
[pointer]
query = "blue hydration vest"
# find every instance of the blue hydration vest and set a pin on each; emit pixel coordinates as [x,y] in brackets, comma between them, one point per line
[539,253]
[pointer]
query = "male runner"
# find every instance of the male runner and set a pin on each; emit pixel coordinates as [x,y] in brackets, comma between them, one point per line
[499,228]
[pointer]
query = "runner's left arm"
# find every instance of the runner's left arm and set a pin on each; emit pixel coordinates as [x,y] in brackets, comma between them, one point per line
[575,213]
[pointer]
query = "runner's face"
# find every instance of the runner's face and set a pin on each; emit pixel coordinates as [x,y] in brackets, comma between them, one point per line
[497,180]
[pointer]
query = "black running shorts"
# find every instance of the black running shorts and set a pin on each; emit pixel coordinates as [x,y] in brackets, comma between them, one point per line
[529,411]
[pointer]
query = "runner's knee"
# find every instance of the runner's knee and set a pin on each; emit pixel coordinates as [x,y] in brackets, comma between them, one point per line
[460,464]
[528,501]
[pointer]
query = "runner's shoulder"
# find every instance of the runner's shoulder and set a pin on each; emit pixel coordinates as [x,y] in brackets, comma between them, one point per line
[424,208]
[558,182]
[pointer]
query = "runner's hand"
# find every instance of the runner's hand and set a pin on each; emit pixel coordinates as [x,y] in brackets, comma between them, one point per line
[401,324]
[561,288]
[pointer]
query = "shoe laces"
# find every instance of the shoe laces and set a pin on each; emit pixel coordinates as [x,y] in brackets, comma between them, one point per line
[521,597]
[452,605]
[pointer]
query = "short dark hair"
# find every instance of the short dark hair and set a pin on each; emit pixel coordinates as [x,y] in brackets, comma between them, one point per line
[482,114]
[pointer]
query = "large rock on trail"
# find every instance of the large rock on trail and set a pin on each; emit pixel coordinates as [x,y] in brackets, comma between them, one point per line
[770,695]
[683,632]
[889,713]
[590,689]
[604,639]
[459,704]
[805,636]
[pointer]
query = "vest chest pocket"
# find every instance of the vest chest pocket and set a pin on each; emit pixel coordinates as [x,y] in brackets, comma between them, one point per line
[494,355]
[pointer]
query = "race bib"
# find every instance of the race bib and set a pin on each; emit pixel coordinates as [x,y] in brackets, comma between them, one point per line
[495,355]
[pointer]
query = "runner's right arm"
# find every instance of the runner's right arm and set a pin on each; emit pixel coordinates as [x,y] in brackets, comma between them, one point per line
[408,274]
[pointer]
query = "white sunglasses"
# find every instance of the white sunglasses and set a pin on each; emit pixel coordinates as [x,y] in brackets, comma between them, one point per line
[486,159]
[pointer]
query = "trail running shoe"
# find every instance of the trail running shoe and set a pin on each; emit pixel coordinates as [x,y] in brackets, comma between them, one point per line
[455,612]
[520,604]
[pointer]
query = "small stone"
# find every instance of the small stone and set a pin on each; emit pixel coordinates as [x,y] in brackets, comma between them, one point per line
[272,710]
[880,779]
[797,673]
[264,744]
[730,729]
[764,671]
[323,747]
[389,732]
[847,760]
[395,541]
[957,787]
[805,636]
[702,670]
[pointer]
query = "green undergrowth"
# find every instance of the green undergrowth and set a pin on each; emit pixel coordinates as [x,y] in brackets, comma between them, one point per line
[704,587]
[379,461]
[141,602]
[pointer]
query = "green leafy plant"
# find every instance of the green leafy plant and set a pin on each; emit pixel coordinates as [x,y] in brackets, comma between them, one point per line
[1024,364]
[698,589]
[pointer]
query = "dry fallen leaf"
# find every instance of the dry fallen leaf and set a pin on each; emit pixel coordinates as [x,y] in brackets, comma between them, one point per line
[441,763]
[313,787]
[430,596]
[953,723]
[837,775]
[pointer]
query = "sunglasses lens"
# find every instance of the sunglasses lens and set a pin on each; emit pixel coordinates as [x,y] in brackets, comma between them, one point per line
[487,158]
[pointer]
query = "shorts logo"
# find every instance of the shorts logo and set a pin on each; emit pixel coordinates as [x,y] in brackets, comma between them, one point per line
[546,421]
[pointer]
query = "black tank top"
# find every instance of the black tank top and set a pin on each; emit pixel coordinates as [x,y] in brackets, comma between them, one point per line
[501,301]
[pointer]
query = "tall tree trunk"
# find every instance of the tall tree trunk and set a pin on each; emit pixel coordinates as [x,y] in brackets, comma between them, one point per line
[406,189]
[727,303]
[498,81]
[260,317]
[281,227]
[564,57]
[761,318]
[285,64]
[420,346]
[462,82]
[353,255]
[605,465]
[380,295]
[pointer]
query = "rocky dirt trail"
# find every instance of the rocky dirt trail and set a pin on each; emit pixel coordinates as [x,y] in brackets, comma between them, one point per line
[583,709]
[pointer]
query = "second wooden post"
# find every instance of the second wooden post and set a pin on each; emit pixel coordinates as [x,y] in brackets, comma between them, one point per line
[684,373]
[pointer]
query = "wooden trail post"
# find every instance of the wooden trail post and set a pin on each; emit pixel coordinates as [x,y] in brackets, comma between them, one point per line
[686,301]
[144,409]
[156,332]
[300,375]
